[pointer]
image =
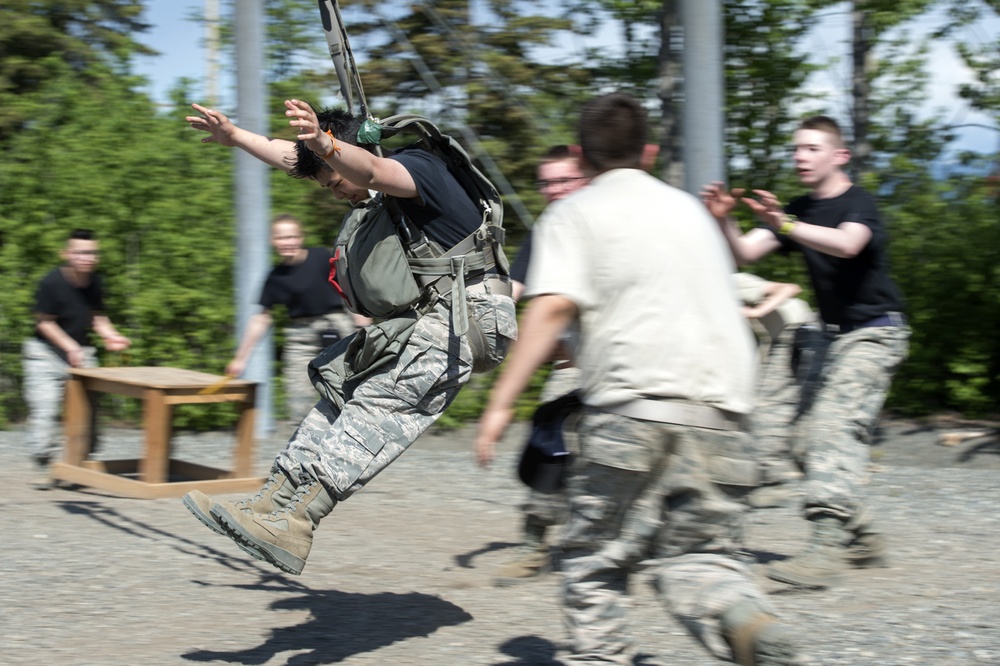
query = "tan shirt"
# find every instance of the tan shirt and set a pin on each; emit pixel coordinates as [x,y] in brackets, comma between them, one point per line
[793,312]
[650,273]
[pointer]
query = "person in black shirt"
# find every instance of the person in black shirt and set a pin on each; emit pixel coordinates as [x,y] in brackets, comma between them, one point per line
[845,245]
[69,303]
[318,319]
[559,175]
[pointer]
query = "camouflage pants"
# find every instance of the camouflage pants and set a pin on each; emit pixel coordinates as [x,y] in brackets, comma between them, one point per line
[648,494]
[774,420]
[837,428]
[45,375]
[388,410]
[544,510]
[302,344]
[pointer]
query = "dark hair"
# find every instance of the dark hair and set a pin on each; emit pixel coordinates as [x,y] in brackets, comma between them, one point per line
[82,234]
[613,132]
[344,127]
[824,124]
[557,154]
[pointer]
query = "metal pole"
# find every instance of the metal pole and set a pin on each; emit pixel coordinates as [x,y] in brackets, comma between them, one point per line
[253,199]
[212,46]
[704,98]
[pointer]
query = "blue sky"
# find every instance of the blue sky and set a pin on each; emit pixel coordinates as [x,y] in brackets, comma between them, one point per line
[181,44]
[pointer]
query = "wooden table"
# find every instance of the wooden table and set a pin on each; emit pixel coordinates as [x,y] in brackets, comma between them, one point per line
[159,389]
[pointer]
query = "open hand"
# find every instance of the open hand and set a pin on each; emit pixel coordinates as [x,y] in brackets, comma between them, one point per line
[720,202]
[220,129]
[767,208]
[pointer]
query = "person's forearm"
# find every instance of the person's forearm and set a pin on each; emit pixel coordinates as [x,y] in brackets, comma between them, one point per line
[845,243]
[779,293]
[104,328]
[256,328]
[278,153]
[54,333]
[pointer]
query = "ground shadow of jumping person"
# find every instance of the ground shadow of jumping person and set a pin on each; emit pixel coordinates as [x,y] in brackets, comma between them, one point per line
[342,624]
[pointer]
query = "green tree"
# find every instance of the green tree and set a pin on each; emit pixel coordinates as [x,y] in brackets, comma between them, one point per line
[40,37]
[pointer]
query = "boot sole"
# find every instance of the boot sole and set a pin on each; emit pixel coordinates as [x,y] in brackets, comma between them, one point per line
[808,582]
[261,550]
[511,581]
[205,519]
[870,562]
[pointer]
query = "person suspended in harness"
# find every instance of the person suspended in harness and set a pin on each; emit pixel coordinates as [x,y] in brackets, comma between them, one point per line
[436,286]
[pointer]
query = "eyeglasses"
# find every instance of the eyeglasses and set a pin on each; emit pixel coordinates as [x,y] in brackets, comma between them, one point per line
[86,253]
[556,182]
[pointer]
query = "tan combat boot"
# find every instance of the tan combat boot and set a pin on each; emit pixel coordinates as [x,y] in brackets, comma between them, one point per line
[823,562]
[756,637]
[867,548]
[275,494]
[282,537]
[531,560]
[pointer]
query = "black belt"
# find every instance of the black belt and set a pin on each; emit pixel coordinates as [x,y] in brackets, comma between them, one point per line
[888,319]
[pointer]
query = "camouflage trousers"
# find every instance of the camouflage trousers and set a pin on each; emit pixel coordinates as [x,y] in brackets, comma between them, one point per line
[774,421]
[837,428]
[544,510]
[388,410]
[302,344]
[45,375]
[650,496]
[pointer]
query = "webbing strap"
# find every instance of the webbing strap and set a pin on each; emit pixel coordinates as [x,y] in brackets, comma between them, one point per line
[680,413]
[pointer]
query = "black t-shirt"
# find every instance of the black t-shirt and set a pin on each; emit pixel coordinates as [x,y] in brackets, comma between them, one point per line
[303,288]
[445,213]
[519,269]
[73,307]
[848,291]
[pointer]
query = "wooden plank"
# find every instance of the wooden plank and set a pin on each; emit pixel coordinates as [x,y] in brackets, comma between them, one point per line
[124,466]
[103,385]
[157,417]
[190,471]
[193,398]
[157,377]
[77,422]
[125,487]
[243,452]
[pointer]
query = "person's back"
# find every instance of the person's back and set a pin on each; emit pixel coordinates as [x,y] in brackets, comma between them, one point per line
[666,367]
[657,283]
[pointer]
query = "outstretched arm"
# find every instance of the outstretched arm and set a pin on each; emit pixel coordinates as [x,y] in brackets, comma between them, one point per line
[278,153]
[256,328]
[775,293]
[746,248]
[355,165]
[846,241]
[113,340]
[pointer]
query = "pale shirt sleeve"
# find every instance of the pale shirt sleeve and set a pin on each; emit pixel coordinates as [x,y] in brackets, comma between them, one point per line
[562,257]
[749,287]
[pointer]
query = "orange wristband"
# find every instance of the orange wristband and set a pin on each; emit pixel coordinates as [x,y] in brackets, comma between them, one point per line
[335,149]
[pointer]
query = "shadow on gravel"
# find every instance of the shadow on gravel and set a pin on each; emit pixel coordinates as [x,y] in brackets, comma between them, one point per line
[126,524]
[528,651]
[342,624]
[989,447]
[464,560]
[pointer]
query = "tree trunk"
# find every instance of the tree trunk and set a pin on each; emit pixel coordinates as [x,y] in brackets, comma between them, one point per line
[863,65]
[671,87]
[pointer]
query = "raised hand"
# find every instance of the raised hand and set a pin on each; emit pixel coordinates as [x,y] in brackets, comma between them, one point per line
[221,130]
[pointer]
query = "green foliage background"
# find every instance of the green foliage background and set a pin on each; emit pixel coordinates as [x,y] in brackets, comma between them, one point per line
[82,146]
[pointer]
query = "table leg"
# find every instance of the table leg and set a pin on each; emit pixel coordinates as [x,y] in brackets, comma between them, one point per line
[79,422]
[157,416]
[243,454]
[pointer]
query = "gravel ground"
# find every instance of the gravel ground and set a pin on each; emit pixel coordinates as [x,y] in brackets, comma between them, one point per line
[400,574]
